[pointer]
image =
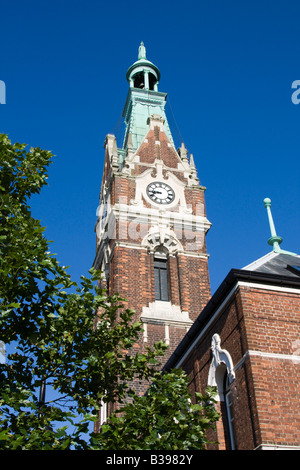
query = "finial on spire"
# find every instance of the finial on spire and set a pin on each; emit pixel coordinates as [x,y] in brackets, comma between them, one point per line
[142,51]
[192,162]
[183,152]
[274,240]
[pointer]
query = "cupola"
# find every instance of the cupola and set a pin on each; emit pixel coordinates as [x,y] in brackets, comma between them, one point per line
[143,74]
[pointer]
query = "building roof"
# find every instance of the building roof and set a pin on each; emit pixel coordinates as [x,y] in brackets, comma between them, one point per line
[280,264]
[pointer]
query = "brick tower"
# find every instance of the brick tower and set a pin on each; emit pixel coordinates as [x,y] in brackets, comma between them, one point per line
[152,221]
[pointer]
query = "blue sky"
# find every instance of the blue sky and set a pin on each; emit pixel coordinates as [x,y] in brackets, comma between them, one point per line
[227,67]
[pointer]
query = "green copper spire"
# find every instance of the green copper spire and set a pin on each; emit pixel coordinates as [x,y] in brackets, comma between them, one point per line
[274,240]
[143,100]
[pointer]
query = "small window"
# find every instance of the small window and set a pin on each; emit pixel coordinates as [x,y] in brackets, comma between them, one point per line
[161,279]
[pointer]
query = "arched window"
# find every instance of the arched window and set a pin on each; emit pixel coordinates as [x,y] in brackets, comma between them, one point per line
[221,375]
[221,363]
[229,411]
[161,275]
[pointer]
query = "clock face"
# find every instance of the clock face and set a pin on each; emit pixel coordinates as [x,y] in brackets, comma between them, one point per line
[161,193]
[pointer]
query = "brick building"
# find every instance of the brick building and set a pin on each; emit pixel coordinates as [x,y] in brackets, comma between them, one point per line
[151,248]
[246,342]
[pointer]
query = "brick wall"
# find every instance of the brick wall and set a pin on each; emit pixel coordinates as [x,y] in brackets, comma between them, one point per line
[132,276]
[272,321]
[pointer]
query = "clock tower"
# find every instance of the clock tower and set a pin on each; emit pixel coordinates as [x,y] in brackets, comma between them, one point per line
[152,220]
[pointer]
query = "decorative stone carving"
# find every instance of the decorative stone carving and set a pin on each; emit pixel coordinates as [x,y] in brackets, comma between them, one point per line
[220,357]
[158,235]
[156,120]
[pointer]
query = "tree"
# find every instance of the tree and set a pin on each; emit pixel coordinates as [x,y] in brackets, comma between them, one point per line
[72,338]
[165,418]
